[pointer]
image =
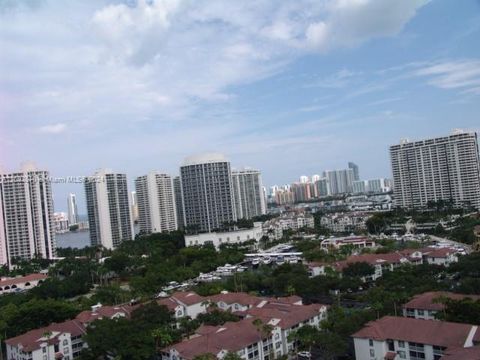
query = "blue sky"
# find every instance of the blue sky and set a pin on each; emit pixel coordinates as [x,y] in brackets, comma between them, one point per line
[289,87]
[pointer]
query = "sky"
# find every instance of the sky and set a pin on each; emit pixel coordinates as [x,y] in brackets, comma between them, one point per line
[289,87]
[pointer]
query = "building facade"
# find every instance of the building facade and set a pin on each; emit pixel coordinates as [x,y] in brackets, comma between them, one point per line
[108,208]
[412,339]
[248,193]
[445,168]
[156,203]
[72,209]
[177,188]
[207,192]
[56,341]
[227,237]
[340,181]
[26,221]
[356,171]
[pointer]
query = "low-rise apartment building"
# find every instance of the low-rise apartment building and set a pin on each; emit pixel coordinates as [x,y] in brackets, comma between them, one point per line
[56,341]
[185,303]
[21,283]
[357,242]
[389,261]
[396,338]
[100,311]
[344,222]
[227,237]
[244,337]
[427,305]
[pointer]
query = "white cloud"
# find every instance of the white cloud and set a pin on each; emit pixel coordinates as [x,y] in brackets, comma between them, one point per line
[351,22]
[461,74]
[53,129]
[106,70]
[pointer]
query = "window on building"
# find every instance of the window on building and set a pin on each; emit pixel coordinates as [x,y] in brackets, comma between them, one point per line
[370,342]
[65,342]
[402,354]
[401,344]
[420,312]
[372,353]
[417,351]
[438,352]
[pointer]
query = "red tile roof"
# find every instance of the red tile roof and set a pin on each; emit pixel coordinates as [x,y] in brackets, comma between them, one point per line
[431,332]
[438,253]
[188,297]
[288,314]
[426,301]
[232,336]
[22,279]
[169,303]
[470,353]
[31,340]
[372,259]
[88,316]
[238,298]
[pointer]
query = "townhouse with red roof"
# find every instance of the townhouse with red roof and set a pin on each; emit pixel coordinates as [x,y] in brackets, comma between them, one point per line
[426,305]
[396,338]
[243,337]
[185,303]
[56,341]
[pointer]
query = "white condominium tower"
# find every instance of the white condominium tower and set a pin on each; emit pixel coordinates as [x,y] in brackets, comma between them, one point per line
[207,192]
[340,181]
[444,168]
[177,188]
[72,209]
[108,209]
[156,203]
[26,221]
[248,193]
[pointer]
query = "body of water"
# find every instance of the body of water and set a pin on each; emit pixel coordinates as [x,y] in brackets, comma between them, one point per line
[78,239]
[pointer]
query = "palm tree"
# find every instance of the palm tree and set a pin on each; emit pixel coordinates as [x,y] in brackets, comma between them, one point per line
[264,331]
[48,335]
[162,338]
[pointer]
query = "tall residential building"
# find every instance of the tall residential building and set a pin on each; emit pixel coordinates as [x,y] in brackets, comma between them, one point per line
[156,203]
[356,172]
[284,197]
[248,193]
[177,188]
[322,187]
[444,168]
[304,179]
[26,221]
[134,205]
[360,187]
[315,178]
[207,192]
[301,191]
[380,185]
[340,181]
[108,208]
[72,209]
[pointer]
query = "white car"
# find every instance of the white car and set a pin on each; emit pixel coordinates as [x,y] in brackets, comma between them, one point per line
[305,354]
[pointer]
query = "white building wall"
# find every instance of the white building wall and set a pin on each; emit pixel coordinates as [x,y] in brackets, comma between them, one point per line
[231,237]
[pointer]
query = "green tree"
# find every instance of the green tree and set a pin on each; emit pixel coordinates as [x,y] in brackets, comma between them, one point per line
[358,269]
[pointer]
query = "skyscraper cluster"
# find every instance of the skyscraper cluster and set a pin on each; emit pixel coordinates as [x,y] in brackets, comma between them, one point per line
[206,196]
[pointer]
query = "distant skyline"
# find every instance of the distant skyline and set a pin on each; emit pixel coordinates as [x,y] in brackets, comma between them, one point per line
[290,88]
